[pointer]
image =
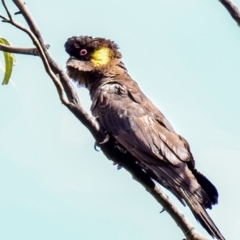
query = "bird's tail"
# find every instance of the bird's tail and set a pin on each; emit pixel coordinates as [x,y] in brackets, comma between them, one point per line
[192,188]
[201,215]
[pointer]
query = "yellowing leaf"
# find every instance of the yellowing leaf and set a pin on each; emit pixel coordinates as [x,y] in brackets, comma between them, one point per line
[9,59]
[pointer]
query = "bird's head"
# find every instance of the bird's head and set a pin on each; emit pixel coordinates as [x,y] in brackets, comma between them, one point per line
[90,57]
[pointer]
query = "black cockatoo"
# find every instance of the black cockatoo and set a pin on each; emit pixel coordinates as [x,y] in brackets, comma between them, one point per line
[125,113]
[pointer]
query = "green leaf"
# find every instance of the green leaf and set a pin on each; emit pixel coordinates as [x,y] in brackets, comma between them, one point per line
[9,59]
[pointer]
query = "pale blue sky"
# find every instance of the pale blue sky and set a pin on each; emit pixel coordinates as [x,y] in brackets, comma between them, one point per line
[184,55]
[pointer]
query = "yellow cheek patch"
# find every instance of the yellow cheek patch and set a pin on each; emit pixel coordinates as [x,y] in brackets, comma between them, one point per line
[101,57]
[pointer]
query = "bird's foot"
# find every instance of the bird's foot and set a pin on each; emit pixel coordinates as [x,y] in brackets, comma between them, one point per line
[106,139]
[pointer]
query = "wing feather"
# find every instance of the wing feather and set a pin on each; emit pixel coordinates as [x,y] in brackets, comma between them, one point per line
[121,113]
[126,113]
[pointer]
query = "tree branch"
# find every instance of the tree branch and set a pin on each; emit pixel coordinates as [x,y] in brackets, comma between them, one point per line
[179,218]
[232,9]
[20,50]
[70,99]
[6,9]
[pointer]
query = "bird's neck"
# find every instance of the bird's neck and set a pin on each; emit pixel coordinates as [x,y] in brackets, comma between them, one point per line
[109,74]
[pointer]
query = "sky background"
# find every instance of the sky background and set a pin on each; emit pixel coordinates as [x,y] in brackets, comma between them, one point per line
[53,185]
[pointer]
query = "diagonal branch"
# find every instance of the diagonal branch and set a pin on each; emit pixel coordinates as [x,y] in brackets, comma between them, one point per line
[69,89]
[6,9]
[48,69]
[232,9]
[20,50]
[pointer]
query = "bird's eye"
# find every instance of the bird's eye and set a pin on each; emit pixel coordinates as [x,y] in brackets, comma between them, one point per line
[83,52]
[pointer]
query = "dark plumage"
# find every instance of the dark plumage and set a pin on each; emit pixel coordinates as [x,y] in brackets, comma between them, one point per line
[126,114]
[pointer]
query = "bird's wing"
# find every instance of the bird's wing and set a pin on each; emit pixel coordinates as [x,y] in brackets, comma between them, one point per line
[132,119]
[126,113]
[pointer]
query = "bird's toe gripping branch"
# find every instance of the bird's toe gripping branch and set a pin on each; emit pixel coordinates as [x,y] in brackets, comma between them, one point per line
[105,140]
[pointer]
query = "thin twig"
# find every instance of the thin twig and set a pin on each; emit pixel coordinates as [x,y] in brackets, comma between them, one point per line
[69,89]
[45,63]
[7,10]
[30,21]
[20,50]
[4,18]
[44,60]
[77,109]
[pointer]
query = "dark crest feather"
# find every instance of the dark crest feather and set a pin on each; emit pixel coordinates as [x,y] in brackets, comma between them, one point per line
[90,43]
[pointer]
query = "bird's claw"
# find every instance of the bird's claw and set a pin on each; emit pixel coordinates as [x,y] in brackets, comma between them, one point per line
[106,139]
[96,144]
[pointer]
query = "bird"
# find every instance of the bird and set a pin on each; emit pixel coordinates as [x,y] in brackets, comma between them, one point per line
[125,113]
